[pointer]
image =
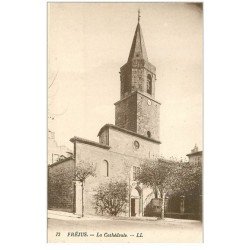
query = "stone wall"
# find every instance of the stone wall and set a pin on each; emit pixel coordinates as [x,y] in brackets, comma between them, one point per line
[139,114]
[126,113]
[124,143]
[125,78]
[61,186]
[148,117]
[98,158]
[133,76]
[195,159]
[104,137]
[121,158]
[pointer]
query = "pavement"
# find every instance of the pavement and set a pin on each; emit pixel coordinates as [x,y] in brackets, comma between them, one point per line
[60,215]
[66,227]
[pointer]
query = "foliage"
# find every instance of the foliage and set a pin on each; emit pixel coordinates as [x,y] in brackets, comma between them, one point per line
[170,177]
[111,197]
[191,178]
[84,170]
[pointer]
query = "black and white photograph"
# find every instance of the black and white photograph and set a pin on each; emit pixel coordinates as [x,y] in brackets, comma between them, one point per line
[125,122]
[124,125]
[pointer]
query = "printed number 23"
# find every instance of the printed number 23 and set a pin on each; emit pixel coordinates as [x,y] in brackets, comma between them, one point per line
[58,233]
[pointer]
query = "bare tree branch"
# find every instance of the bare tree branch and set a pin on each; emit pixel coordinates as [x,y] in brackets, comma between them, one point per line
[53,80]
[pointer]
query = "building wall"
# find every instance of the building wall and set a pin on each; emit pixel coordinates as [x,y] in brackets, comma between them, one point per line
[120,165]
[195,159]
[118,170]
[122,157]
[148,117]
[61,186]
[138,79]
[140,71]
[126,113]
[104,137]
[123,143]
[133,76]
[139,114]
[125,78]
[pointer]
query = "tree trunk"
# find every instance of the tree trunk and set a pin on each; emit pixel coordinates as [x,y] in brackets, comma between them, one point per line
[163,206]
[156,193]
[82,198]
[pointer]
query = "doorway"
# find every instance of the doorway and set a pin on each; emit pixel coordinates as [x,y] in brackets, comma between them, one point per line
[135,206]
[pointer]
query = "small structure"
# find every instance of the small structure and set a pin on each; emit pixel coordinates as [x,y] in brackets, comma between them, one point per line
[195,157]
[56,152]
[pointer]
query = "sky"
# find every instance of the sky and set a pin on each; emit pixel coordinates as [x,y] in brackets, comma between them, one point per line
[89,42]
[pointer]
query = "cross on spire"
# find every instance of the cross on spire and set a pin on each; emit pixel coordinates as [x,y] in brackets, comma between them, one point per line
[138,49]
[139,15]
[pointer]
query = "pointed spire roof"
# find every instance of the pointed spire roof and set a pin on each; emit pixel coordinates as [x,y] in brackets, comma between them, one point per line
[138,49]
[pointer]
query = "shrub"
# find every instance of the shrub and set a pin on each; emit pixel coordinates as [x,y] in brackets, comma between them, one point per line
[111,198]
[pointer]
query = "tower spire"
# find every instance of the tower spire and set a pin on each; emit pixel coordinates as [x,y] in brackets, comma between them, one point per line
[138,48]
[137,110]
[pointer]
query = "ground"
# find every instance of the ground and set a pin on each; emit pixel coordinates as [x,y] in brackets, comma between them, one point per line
[100,230]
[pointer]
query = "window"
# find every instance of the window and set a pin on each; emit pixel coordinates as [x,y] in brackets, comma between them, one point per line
[136,144]
[55,158]
[105,168]
[149,84]
[149,134]
[136,172]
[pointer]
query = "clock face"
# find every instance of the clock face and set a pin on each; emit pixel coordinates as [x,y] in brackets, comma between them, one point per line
[149,102]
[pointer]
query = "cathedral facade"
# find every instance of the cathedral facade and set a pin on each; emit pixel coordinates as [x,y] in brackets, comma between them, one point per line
[121,147]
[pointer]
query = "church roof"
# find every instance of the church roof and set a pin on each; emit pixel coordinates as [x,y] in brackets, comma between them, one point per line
[138,49]
[195,153]
[89,142]
[60,161]
[106,126]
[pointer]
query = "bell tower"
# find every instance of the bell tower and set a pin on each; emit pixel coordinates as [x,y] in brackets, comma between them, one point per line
[137,110]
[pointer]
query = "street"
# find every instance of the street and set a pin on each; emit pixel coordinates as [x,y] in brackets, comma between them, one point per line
[98,230]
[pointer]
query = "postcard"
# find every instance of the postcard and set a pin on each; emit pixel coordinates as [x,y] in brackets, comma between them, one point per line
[125,122]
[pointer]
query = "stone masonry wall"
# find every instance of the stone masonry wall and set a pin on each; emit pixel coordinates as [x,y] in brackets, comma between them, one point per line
[148,117]
[118,170]
[123,143]
[126,113]
[125,78]
[138,79]
[60,186]
[104,138]
[135,114]
[133,77]
[121,160]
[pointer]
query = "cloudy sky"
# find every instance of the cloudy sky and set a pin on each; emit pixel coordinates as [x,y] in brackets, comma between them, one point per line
[87,45]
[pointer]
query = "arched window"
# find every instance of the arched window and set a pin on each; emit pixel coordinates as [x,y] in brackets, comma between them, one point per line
[149,84]
[105,168]
[149,134]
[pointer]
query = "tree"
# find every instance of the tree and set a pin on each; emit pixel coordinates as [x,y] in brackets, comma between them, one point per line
[191,178]
[169,177]
[111,197]
[82,172]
